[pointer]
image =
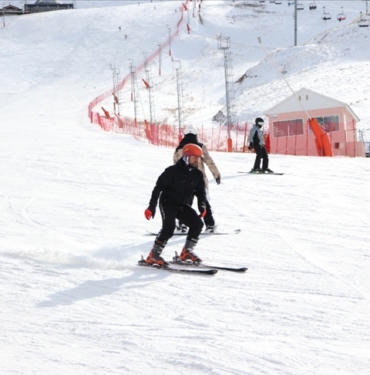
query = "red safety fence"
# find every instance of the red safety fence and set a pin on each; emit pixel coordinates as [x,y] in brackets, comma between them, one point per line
[94,116]
[161,134]
[348,142]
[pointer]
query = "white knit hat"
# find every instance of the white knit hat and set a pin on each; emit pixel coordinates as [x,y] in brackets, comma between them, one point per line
[190,129]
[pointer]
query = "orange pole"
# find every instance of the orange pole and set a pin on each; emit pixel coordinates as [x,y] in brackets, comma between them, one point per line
[323,144]
[229,145]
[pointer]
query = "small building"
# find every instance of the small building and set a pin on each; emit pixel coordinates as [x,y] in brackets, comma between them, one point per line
[11,10]
[291,134]
[46,6]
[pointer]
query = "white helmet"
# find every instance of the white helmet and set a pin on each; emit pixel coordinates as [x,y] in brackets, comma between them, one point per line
[190,129]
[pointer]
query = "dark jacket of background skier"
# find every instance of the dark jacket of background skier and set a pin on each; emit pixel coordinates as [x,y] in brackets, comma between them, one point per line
[257,141]
[256,136]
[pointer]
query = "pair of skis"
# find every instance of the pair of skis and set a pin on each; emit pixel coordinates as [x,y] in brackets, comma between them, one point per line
[198,268]
[263,173]
[235,231]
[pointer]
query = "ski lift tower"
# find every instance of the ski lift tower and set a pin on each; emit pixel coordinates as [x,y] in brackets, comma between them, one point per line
[148,86]
[224,44]
[133,90]
[295,22]
[4,15]
[159,59]
[179,94]
[116,91]
[169,40]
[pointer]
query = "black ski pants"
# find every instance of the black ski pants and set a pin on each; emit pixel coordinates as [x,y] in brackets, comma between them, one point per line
[261,153]
[186,215]
[209,221]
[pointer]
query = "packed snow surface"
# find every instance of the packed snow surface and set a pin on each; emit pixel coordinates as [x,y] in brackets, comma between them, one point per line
[72,199]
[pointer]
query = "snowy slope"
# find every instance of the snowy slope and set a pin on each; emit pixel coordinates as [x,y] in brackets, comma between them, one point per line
[72,199]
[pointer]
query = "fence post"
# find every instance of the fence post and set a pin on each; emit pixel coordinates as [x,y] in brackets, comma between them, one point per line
[245,135]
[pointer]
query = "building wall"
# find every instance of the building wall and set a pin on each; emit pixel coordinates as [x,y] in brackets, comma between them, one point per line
[37,8]
[309,100]
[343,140]
[11,11]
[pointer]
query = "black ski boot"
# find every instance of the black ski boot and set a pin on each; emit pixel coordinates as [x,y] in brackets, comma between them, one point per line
[154,257]
[187,252]
[256,170]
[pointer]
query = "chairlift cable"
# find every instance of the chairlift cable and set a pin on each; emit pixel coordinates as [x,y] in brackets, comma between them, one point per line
[281,75]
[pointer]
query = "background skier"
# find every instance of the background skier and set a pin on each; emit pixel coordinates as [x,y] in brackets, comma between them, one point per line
[257,142]
[190,136]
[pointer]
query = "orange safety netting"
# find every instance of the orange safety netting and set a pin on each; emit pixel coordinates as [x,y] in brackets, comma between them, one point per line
[93,116]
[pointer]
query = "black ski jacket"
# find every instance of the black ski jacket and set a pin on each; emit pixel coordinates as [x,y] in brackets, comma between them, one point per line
[178,185]
[205,160]
[256,136]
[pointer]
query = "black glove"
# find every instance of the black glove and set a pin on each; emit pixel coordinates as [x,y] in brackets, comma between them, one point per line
[218,180]
[250,147]
[203,211]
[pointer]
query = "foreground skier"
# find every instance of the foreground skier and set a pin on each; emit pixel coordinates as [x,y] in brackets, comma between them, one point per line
[177,186]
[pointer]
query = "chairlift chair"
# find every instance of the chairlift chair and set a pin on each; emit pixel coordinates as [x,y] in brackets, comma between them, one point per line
[326,16]
[278,2]
[313,6]
[363,22]
[300,6]
[341,16]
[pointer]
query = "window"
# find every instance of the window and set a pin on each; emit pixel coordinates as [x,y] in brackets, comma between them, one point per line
[288,128]
[280,129]
[329,123]
[295,127]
